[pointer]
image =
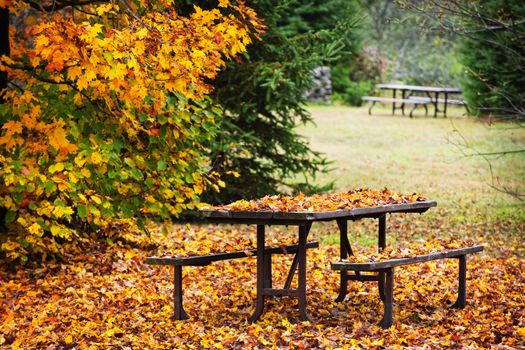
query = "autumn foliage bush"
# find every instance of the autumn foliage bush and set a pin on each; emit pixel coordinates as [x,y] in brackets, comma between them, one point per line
[106,113]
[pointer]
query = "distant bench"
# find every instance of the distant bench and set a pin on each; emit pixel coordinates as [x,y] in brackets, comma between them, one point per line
[453,101]
[433,96]
[414,102]
[203,260]
[385,269]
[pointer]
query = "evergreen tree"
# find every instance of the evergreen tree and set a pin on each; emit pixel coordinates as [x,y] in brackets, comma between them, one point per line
[263,97]
[493,53]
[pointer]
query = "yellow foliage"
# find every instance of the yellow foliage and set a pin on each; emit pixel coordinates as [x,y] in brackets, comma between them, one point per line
[99,90]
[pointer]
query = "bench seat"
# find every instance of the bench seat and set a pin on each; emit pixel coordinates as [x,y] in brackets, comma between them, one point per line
[413,102]
[385,269]
[207,259]
[453,101]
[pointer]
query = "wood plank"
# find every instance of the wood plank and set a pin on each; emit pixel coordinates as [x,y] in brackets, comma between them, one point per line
[251,214]
[248,217]
[202,260]
[451,90]
[281,292]
[390,99]
[215,213]
[373,266]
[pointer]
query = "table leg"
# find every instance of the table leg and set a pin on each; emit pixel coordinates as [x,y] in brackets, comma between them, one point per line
[403,96]
[381,233]
[445,105]
[436,105]
[345,249]
[267,270]
[393,103]
[301,283]
[381,244]
[261,274]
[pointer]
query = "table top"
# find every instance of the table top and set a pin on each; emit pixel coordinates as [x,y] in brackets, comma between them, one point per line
[419,88]
[272,217]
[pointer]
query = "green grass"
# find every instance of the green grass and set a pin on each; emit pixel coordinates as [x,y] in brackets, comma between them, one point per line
[418,154]
[422,154]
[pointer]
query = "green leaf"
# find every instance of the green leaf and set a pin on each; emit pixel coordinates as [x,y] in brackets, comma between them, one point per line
[82,211]
[10,216]
[161,165]
[136,174]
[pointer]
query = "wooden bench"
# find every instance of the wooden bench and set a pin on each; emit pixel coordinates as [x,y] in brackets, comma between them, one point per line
[451,101]
[402,101]
[203,260]
[385,269]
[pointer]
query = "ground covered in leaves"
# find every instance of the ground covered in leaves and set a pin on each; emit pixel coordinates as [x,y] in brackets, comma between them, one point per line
[106,297]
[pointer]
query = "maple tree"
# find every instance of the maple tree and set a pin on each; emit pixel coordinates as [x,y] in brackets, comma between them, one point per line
[106,114]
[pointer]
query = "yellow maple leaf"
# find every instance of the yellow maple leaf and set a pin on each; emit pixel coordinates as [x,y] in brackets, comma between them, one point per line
[521,332]
[58,138]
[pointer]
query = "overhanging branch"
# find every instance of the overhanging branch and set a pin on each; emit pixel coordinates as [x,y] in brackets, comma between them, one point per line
[56,5]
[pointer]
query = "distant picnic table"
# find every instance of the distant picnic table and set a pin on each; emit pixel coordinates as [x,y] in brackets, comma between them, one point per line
[439,97]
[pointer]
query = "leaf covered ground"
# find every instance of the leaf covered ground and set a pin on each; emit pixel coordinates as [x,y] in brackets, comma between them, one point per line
[105,297]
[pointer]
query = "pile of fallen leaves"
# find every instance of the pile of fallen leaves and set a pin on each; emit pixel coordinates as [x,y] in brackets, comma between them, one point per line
[370,254]
[359,198]
[106,297]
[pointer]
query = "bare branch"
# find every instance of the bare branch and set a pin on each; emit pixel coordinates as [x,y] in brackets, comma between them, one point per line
[56,5]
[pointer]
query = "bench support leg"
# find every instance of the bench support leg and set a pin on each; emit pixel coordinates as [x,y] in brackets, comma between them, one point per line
[412,111]
[372,104]
[178,308]
[462,283]
[388,291]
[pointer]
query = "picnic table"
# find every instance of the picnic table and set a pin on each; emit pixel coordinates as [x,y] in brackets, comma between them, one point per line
[433,95]
[304,220]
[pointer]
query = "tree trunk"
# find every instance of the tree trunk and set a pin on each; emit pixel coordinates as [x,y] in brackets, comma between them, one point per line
[4,45]
[4,50]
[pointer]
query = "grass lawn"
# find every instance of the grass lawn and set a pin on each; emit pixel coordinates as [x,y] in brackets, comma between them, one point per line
[419,154]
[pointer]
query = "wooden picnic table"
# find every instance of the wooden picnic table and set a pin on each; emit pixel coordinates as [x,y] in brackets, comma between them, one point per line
[304,220]
[432,94]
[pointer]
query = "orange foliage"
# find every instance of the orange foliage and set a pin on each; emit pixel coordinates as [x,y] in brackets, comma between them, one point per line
[109,115]
[323,202]
[105,297]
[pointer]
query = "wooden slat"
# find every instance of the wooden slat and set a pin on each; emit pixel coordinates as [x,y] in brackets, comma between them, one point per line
[202,260]
[280,292]
[419,88]
[297,218]
[251,214]
[373,266]
[390,99]
[216,213]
